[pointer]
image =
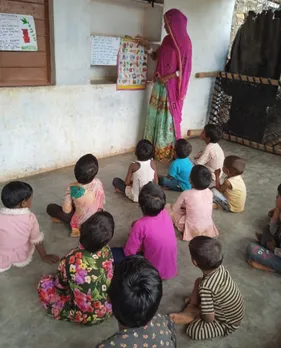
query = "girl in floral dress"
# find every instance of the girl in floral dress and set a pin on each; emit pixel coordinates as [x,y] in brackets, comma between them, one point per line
[78,292]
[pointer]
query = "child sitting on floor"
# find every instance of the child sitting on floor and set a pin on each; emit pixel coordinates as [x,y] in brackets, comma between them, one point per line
[212,157]
[139,173]
[19,229]
[216,306]
[135,293]
[180,168]
[153,234]
[82,198]
[78,292]
[192,212]
[266,254]
[231,195]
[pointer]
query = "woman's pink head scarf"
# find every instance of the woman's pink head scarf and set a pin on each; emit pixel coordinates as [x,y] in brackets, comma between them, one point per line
[176,55]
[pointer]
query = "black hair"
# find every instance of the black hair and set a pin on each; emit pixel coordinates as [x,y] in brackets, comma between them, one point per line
[144,150]
[234,164]
[97,231]
[152,199]
[213,132]
[15,193]
[86,168]
[279,190]
[200,177]
[183,148]
[207,252]
[135,292]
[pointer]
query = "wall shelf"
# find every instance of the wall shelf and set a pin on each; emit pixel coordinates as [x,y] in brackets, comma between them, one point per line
[133,3]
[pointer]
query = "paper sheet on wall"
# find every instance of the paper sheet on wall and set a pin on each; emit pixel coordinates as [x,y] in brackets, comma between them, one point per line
[132,66]
[104,50]
[17,33]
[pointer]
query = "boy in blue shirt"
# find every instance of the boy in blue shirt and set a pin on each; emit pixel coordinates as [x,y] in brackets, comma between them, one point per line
[180,168]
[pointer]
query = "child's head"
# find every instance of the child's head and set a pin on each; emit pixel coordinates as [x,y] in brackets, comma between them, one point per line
[206,253]
[152,199]
[200,177]
[211,134]
[97,231]
[135,292]
[233,166]
[183,148]
[17,194]
[86,168]
[144,150]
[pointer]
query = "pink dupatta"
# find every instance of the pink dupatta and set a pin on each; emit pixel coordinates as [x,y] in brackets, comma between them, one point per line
[175,55]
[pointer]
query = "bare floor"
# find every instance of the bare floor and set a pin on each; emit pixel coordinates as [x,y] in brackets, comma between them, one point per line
[23,322]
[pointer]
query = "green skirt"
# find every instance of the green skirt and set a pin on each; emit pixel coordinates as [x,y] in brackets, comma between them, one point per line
[159,128]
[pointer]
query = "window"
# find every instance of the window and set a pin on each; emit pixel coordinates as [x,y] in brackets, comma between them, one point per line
[28,68]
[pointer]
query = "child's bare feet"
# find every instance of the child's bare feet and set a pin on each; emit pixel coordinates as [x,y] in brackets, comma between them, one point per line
[182,318]
[116,190]
[56,221]
[259,237]
[216,206]
[75,233]
[259,266]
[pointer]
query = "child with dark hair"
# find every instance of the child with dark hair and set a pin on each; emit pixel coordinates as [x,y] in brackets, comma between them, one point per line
[192,212]
[78,292]
[216,306]
[212,156]
[82,198]
[180,168]
[19,229]
[135,293]
[139,173]
[231,195]
[266,254]
[153,234]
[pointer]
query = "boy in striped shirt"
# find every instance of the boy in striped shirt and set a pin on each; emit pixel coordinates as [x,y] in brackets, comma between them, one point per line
[216,306]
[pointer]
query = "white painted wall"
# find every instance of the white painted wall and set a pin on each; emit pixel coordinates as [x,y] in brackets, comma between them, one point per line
[50,127]
[209,28]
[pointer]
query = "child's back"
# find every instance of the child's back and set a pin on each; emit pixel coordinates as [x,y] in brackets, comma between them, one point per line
[236,196]
[157,238]
[192,212]
[180,169]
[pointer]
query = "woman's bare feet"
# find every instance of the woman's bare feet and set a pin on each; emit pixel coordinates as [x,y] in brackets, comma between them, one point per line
[182,318]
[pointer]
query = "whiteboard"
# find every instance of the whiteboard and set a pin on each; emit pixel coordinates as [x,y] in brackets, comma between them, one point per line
[104,50]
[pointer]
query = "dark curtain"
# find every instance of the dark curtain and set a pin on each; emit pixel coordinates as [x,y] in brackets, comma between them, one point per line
[256,51]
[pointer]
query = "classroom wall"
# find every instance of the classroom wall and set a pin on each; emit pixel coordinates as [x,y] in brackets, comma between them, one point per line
[50,127]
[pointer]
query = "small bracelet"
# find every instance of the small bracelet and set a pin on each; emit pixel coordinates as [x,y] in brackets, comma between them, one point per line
[177,74]
[150,51]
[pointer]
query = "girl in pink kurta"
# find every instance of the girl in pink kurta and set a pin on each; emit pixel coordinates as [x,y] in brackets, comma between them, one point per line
[192,212]
[83,198]
[19,229]
[153,235]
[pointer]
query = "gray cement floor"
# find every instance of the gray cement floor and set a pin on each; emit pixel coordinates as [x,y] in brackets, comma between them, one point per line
[23,322]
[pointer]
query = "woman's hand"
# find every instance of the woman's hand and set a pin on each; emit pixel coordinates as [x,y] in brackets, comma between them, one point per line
[141,41]
[164,79]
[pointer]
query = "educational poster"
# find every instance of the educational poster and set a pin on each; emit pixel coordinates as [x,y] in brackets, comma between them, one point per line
[132,66]
[104,50]
[17,33]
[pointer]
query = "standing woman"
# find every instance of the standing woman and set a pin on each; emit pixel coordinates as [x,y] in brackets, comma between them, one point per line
[174,60]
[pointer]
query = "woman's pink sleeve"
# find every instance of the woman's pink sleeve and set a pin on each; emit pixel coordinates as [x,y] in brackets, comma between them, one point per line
[135,240]
[36,236]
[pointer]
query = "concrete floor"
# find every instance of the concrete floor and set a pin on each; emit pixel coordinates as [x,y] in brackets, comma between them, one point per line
[23,322]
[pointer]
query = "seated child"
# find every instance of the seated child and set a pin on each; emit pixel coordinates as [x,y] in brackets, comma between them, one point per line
[212,157]
[82,198]
[135,293]
[231,195]
[19,229]
[153,234]
[180,168]
[139,173]
[192,212]
[78,292]
[216,306]
[266,254]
